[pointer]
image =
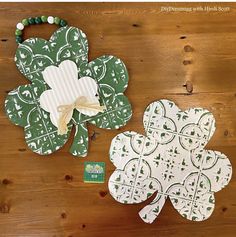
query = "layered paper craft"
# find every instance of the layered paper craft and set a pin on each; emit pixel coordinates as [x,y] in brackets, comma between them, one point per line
[65,91]
[170,161]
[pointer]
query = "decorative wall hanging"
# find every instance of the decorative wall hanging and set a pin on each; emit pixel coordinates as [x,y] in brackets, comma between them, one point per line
[66,90]
[170,160]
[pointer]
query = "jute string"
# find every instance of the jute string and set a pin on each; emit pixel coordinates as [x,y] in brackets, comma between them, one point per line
[67,112]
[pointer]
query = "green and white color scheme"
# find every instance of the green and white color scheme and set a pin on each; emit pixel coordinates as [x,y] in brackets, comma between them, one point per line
[94,172]
[22,105]
[170,160]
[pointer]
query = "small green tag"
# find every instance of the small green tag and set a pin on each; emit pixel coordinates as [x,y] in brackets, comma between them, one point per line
[94,172]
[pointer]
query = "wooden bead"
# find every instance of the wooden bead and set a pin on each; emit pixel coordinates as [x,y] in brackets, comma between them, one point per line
[63,23]
[18,39]
[31,21]
[38,20]
[57,20]
[20,26]
[25,22]
[44,19]
[18,32]
[50,19]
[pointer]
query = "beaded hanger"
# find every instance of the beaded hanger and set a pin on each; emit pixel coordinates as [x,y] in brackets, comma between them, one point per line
[36,20]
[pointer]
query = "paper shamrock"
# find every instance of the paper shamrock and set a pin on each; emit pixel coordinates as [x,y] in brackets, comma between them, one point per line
[170,160]
[49,65]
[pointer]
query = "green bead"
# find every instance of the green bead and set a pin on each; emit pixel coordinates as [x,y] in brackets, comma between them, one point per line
[44,19]
[38,20]
[31,21]
[18,39]
[63,23]
[57,20]
[18,32]
[25,22]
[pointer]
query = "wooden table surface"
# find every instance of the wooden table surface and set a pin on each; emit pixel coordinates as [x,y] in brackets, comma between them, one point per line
[46,196]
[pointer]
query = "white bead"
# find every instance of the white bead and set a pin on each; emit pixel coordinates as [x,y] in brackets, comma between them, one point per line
[20,26]
[50,19]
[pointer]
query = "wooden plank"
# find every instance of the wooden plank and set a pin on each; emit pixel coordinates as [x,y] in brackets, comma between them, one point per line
[46,196]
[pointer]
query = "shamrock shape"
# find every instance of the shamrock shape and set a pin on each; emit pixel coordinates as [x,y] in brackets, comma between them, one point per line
[170,160]
[22,105]
[67,93]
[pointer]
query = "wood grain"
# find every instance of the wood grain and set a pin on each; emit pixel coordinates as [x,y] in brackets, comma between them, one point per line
[46,196]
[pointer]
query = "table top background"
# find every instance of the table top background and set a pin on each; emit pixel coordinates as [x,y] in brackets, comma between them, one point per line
[46,196]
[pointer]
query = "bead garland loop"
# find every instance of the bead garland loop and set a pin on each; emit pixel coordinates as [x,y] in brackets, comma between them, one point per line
[36,20]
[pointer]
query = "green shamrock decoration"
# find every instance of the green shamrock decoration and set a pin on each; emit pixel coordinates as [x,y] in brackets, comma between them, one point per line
[22,104]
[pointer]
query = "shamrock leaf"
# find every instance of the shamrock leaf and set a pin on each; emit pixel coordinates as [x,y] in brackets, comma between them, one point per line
[107,76]
[170,161]
[65,89]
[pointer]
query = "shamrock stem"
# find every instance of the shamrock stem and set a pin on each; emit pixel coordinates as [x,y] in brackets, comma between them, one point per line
[79,146]
[150,212]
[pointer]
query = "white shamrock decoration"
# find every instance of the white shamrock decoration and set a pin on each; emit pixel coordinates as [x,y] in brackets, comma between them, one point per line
[65,90]
[171,160]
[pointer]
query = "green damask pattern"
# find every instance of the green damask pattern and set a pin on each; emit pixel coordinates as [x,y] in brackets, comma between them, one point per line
[22,104]
[171,160]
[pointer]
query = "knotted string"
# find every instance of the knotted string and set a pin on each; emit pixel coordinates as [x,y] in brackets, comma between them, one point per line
[67,112]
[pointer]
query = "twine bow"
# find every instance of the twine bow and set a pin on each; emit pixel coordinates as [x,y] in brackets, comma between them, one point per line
[67,112]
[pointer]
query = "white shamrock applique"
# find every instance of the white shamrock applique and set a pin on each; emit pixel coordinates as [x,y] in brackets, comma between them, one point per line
[68,93]
[170,160]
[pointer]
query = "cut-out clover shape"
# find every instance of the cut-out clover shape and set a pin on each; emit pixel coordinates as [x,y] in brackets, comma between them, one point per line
[68,93]
[170,161]
[22,105]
